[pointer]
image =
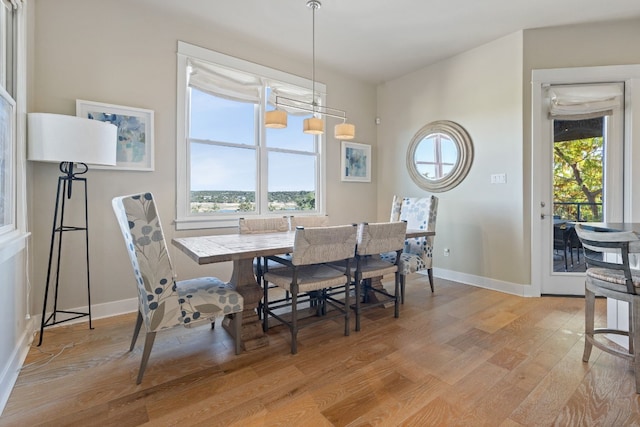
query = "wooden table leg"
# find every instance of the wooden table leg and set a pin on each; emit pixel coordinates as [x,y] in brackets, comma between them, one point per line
[244,281]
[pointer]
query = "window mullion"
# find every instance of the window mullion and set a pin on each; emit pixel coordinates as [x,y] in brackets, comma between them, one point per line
[262,200]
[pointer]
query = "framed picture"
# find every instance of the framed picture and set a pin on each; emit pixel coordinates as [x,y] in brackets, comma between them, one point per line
[356,162]
[135,133]
[7,162]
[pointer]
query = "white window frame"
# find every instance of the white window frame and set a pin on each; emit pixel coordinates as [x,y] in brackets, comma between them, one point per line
[185,220]
[13,80]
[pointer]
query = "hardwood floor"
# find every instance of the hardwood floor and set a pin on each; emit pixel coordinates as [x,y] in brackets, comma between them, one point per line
[462,356]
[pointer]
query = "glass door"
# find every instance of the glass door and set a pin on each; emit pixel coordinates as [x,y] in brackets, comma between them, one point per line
[582,176]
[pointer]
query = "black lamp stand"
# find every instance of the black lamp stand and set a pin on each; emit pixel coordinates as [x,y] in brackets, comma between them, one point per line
[65,182]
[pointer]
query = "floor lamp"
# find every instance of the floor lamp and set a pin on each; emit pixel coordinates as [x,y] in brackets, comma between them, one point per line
[73,142]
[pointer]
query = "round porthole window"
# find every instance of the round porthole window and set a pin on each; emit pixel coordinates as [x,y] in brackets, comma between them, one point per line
[440,156]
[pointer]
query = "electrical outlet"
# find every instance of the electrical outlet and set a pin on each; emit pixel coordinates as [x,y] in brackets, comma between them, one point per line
[446,252]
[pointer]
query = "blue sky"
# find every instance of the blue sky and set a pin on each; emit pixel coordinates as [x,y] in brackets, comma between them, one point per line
[226,168]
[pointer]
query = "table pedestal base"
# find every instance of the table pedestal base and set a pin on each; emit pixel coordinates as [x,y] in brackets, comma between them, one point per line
[244,281]
[376,282]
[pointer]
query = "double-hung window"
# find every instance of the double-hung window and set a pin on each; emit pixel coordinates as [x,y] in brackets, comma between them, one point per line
[229,164]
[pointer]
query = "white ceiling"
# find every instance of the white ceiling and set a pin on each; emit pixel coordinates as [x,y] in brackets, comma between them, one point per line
[379,40]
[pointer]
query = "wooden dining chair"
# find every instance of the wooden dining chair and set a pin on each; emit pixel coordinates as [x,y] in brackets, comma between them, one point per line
[308,221]
[163,301]
[262,226]
[373,240]
[609,274]
[307,271]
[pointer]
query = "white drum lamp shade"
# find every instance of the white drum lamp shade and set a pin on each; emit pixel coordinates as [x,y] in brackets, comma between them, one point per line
[62,138]
[276,119]
[345,131]
[313,126]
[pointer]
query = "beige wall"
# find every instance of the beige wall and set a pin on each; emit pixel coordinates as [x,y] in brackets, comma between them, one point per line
[481,223]
[596,44]
[86,49]
[91,50]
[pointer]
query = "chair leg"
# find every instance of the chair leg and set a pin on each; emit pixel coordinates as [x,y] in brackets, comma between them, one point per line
[430,273]
[136,331]
[631,329]
[396,305]
[260,280]
[294,323]
[589,301]
[265,308]
[237,332]
[635,309]
[347,307]
[402,279]
[358,299]
[148,344]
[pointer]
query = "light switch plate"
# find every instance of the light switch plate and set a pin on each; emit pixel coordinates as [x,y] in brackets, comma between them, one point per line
[499,178]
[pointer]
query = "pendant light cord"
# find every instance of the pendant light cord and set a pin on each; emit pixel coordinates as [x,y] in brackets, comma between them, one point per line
[314,6]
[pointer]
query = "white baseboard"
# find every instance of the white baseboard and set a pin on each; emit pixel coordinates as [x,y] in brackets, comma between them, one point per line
[12,369]
[484,282]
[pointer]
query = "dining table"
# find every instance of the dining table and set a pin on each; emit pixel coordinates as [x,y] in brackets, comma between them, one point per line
[242,249]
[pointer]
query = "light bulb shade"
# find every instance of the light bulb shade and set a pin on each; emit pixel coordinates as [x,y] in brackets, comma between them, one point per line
[275,119]
[345,131]
[313,126]
[61,138]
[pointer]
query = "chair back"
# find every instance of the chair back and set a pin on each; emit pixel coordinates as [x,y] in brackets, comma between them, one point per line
[308,221]
[610,251]
[381,237]
[420,214]
[263,225]
[324,244]
[147,249]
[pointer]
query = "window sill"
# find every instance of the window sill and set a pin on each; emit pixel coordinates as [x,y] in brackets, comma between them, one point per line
[11,244]
[202,223]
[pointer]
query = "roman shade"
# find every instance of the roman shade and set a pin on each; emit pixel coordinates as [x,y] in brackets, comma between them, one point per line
[224,82]
[583,102]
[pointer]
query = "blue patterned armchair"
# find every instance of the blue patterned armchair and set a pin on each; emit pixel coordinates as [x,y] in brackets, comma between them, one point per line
[420,214]
[164,302]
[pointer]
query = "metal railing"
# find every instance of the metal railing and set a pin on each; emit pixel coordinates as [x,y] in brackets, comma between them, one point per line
[578,211]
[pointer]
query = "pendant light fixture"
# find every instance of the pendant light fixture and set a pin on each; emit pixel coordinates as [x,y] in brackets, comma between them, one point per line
[314,125]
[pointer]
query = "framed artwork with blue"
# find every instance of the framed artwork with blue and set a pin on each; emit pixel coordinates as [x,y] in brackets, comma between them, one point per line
[135,133]
[356,162]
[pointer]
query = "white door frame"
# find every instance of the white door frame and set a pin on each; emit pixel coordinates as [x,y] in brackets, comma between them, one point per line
[630,75]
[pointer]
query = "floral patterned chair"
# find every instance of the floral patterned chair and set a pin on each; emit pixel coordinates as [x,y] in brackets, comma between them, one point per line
[164,302]
[420,214]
